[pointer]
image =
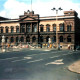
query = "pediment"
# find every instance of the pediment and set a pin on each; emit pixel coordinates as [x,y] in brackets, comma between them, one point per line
[28,19]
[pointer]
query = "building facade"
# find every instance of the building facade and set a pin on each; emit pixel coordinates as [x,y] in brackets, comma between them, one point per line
[32,29]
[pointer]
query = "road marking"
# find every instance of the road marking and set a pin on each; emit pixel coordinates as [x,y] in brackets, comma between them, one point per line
[35,61]
[37,54]
[18,60]
[40,54]
[57,62]
[54,56]
[32,55]
[64,54]
[32,49]
[9,58]
[25,58]
[46,50]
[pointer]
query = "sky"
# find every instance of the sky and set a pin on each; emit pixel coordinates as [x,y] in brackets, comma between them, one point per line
[14,8]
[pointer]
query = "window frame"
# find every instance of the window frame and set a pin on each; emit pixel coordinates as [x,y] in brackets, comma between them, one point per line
[12,29]
[54,27]
[47,28]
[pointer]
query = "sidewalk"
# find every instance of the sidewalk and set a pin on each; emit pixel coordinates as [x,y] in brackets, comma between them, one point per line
[43,49]
[10,50]
[75,67]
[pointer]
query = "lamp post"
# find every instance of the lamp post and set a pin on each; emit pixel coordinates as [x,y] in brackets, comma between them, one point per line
[57,42]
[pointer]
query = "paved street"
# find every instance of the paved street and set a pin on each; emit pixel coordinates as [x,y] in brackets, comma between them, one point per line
[38,65]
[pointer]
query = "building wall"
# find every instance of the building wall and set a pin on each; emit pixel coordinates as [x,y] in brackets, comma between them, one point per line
[50,22]
[66,36]
[14,24]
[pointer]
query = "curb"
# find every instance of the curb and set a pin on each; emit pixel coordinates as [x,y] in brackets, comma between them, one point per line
[75,67]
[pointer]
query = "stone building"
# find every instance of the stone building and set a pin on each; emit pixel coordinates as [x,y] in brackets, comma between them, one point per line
[32,29]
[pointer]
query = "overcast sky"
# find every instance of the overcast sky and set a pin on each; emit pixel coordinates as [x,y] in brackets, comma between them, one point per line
[14,8]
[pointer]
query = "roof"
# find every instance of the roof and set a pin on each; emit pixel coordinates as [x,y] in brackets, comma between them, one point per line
[3,18]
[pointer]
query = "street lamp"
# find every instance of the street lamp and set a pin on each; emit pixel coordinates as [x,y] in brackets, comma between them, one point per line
[57,43]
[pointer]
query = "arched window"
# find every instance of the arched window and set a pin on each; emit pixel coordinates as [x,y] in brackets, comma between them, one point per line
[17,29]
[41,28]
[28,29]
[54,39]
[22,28]
[54,27]
[34,28]
[17,39]
[69,39]
[61,38]
[41,39]
[12,39]
[34,39]
[61,27]
[68,27]
[27,39]
[47,38]
[1,29]
[22,39]
[47,28]
[6,39]
[7,29]
[12,29]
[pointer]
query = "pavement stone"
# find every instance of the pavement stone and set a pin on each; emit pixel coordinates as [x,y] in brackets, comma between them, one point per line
[75,67]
